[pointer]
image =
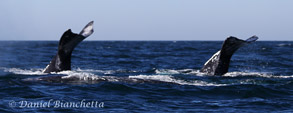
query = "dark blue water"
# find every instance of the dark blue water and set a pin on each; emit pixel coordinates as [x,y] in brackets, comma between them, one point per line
[260,77]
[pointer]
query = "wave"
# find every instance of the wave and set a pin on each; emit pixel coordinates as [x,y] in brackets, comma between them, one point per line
[171,79]
[284,45]
[78,71]
[181,71]
[255,74]
[39,71]
[24,71]
[160,75]
[229,74]
[87,75]
[95,71]
[84,76]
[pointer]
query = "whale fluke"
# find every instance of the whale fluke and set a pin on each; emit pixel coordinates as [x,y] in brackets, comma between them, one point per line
[67,43]
[218,64]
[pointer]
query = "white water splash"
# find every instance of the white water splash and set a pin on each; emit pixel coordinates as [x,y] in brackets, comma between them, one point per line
[24,71]
[284,44]
[81,75]
[255,74]
[229,74]
[171,79]
[166,71]
[95,71]
[181,71]
[164,75]
[39,71]
[86,76]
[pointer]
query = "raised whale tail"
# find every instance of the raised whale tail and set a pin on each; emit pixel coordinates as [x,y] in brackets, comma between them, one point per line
[218,64]
[67,43]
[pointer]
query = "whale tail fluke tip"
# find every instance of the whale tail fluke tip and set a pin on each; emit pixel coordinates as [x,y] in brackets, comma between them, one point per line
[88,29]
[252,39]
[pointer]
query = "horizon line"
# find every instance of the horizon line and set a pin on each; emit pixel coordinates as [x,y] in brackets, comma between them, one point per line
[140,40]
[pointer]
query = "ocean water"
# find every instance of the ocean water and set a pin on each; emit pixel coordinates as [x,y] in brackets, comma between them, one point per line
[146,76]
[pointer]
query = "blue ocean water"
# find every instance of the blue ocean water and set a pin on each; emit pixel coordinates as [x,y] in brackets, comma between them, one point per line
[158,76]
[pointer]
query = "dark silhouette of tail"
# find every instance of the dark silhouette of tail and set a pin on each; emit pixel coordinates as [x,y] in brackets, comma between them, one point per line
[218,64]
[67,43]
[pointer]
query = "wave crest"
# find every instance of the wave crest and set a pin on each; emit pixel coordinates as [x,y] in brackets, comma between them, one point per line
[171,79]
[255,74]
[24,71]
